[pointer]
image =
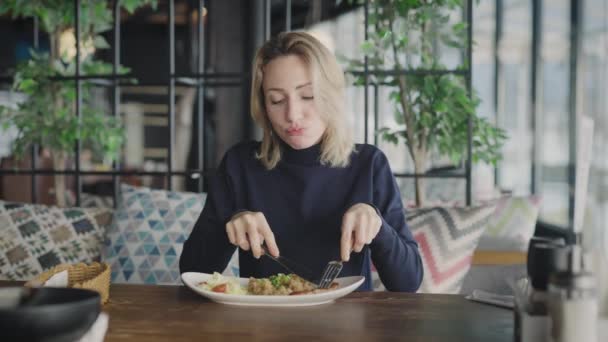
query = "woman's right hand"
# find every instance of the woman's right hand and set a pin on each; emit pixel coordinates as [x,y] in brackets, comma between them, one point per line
[249,230]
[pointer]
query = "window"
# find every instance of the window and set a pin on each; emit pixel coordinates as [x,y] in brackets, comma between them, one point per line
[593,97]
[513,92]
[554,90]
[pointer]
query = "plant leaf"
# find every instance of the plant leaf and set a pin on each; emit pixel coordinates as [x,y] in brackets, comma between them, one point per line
[100,42]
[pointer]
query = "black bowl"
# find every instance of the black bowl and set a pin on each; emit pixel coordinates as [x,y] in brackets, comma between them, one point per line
[48,314]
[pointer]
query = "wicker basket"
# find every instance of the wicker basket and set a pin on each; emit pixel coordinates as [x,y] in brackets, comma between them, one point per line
[94,276]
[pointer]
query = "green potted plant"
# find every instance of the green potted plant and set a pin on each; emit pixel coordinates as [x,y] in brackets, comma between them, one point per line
[431,109]
[48,116]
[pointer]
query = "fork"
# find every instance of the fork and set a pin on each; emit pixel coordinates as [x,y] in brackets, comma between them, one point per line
[331,272]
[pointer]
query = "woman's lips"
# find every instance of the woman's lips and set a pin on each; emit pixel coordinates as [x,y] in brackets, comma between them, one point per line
[295,131]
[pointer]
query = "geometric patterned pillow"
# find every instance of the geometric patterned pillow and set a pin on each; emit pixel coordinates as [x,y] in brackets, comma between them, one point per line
[447,238]
[512,225]
[34,238]
[145,240]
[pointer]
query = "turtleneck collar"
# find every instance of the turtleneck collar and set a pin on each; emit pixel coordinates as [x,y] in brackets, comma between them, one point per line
[309,155]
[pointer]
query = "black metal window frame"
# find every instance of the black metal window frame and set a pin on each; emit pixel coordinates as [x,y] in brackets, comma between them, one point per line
[200,80]
[115,81]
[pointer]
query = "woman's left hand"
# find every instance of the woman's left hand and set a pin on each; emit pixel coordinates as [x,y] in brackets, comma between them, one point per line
[360,225]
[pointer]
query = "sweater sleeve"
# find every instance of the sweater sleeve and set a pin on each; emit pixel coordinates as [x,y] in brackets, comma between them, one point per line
[394,251]
[208,249]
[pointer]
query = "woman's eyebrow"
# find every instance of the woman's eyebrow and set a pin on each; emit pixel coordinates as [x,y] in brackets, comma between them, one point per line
[297,87]
[304,85]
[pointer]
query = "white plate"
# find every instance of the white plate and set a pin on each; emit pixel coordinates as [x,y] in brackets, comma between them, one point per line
[346,286]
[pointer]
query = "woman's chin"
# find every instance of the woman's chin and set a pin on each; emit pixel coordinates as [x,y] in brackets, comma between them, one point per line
[299,142]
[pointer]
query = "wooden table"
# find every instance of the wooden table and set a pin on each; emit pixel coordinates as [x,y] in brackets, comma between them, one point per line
[175,313]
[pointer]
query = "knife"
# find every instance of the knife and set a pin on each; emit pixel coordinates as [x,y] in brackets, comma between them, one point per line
[289,265]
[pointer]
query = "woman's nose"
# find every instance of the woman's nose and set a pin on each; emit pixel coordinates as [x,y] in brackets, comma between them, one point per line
[294,111]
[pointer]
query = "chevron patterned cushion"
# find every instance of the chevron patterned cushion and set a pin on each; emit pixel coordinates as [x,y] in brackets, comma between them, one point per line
[512,225]
[145,240]
[447,238]
[34,238]
[95,201]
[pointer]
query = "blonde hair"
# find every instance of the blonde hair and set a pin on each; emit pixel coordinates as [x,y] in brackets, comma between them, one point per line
[328,91]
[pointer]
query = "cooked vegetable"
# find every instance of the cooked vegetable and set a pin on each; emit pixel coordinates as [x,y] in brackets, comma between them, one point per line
[219,288]
[279,280]
[279,284]
[220,284]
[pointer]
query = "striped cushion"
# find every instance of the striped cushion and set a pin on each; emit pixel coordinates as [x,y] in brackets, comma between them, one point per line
[447,238]
[512,224]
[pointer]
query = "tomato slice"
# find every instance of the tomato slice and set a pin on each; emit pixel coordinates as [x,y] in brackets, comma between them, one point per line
[219,288]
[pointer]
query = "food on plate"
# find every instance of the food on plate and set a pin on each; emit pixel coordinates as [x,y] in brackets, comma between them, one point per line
[221,284]
[279,284]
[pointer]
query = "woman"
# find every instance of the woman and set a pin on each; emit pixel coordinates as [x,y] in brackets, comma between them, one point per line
[306,188]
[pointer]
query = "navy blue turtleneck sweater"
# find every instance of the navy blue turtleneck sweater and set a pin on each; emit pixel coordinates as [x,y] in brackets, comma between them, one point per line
[303,202]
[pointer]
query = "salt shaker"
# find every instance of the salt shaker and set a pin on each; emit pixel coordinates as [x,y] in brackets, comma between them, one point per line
[573,302]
